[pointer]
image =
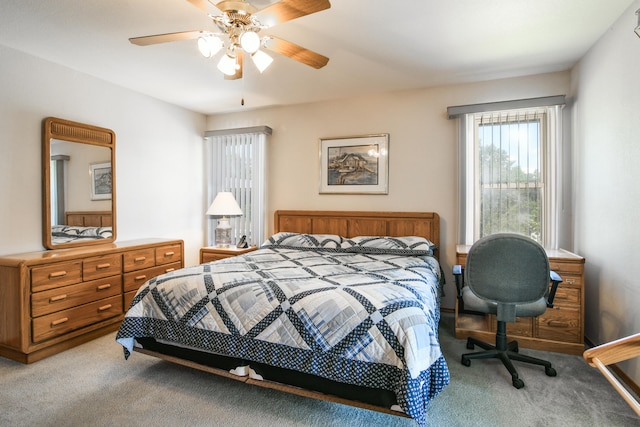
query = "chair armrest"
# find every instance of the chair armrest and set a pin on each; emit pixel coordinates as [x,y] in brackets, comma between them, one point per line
[458,274]
[555,281]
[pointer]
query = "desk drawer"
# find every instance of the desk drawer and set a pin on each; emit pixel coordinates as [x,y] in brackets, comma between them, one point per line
[567,296]
[101,266]
[65,321]
[73,295]
[135,279]
[566,267]
[168,254]
[523,326]
[560,324]
[137,260]
[55,275]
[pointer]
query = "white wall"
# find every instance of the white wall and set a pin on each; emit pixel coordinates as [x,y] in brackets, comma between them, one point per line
[607,194]
[159,178]
[422,149]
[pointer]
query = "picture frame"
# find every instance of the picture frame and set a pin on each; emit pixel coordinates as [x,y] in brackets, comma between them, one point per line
[101,181]
[354,164]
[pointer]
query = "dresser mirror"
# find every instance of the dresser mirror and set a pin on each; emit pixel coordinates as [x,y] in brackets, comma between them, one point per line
[79,193]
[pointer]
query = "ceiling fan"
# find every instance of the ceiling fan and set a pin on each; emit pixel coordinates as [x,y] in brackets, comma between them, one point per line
[239,23]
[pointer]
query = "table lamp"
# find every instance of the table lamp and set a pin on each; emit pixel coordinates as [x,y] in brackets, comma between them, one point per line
[224,206]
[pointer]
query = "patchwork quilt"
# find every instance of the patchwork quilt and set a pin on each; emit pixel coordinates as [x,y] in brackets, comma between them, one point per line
[68,233]
[362,311]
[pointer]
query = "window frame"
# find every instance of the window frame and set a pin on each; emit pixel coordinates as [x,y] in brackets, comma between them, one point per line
[468,230]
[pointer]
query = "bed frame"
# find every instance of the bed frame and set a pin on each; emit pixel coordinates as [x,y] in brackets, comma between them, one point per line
[346,224]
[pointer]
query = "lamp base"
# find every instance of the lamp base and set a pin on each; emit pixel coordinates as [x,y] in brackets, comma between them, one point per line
[223,233]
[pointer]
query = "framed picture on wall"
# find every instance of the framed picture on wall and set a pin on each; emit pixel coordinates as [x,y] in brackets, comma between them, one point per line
[355,165]
[101,181]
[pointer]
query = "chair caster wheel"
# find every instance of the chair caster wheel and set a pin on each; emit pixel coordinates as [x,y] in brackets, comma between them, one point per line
[518,383]
[470,345]
[550,371]
[465,361]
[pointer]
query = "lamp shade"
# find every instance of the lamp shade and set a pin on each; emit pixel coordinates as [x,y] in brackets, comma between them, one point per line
[224,205]
[261,60]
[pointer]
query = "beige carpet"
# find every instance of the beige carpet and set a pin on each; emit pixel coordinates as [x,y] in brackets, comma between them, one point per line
[92,385]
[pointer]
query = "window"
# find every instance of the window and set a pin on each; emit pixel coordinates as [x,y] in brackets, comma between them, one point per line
[509,171]
[236,162]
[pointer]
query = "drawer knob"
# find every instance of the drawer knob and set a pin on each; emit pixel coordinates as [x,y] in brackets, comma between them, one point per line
[103,266]
[169,269]
[105,286]
[168,254]
[142,277]
[105,307]
[139,259]
[57,298]
[57,274]
[59,321]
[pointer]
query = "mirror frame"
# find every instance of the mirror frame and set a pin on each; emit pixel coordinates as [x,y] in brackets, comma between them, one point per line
[65,130]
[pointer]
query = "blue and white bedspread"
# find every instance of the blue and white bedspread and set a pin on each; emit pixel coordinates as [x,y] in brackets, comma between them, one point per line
[345,309]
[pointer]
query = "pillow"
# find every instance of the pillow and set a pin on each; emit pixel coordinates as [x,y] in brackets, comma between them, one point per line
[297,240]
[407,245]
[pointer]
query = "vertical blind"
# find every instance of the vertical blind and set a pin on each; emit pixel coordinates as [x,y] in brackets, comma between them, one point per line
[236,163]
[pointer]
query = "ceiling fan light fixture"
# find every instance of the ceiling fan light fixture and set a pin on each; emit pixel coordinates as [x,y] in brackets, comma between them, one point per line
[209,45]
[227,65]
[261,60]
[250,41]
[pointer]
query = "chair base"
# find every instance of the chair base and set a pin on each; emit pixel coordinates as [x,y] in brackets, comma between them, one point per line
[506,353]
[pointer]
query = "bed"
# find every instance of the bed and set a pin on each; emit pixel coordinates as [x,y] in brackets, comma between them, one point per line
[335,305]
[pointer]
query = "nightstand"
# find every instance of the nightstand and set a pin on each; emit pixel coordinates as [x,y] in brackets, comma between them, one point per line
[212,253]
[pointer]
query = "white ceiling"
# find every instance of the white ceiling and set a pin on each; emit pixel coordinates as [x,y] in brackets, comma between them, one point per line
[373,45]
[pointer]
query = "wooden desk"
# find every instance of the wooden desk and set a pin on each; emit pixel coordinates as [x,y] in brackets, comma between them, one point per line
[560,328]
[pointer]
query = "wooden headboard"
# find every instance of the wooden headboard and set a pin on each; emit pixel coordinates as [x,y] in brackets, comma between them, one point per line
[360,223]
[89,218]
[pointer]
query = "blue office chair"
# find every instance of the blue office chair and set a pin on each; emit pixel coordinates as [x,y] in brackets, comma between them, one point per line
[507,275]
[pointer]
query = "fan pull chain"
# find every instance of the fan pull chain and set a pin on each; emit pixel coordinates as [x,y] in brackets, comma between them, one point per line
[244,76]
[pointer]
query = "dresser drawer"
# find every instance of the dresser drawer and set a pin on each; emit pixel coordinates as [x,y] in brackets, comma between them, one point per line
[137,260]
[65,321]
[55,275]
[135,279]
[168,254]
[101,266]
[560,324]
[73,295]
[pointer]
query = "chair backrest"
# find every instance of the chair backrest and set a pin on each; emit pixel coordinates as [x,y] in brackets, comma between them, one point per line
[507,268]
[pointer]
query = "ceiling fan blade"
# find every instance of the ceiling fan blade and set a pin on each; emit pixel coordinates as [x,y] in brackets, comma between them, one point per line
[200,4]
[240,62]
[297,53]
[286,10]
[205,5]
[169,37]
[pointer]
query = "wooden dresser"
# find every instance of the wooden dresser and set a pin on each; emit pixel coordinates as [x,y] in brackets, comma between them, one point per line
[560,328]
[53,300]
